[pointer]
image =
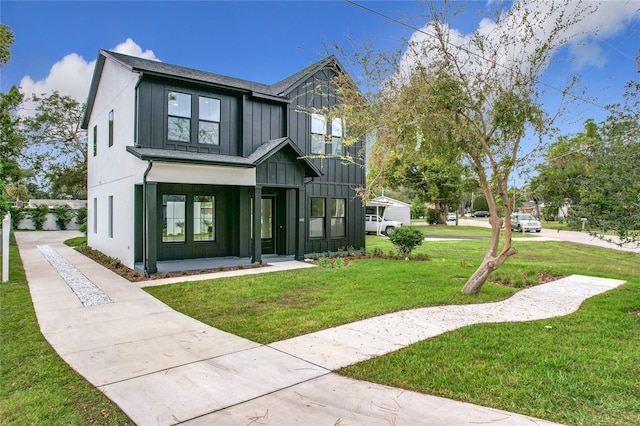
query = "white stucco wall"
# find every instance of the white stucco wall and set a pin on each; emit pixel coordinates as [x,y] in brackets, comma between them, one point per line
[111,171]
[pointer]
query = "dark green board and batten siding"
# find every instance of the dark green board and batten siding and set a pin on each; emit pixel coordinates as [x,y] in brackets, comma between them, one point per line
[152,110]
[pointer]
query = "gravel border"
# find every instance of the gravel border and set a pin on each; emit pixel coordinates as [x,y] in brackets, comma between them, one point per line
[88,293]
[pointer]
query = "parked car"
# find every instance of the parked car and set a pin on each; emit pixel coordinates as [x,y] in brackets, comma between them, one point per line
[480,213]
[451,217]
[523,222]
[374,222]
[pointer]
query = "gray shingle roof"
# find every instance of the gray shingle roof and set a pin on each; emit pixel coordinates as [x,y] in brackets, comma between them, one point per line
[260,155]
[276,91]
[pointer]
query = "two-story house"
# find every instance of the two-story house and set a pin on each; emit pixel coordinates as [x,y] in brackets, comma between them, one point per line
[187,164]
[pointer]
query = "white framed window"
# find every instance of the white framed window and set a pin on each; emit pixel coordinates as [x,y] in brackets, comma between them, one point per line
[336,136]
[318,133]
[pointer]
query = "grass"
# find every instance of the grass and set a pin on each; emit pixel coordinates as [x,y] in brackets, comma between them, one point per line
[583,370]
[267,308]
[36,385]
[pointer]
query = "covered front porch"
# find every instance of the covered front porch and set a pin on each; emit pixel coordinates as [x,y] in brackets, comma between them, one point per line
[211,263]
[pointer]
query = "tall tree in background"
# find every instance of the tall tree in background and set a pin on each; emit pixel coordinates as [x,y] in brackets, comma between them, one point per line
[562,173]
[610,191]
[59,144]
[472,97]
[11,137]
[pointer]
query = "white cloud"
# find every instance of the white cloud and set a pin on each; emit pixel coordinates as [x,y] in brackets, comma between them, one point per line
[71,76]
[596,21]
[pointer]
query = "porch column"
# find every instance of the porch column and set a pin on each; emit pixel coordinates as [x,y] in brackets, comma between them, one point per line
[301,213]
[151,228]
[244,216]
[257,225]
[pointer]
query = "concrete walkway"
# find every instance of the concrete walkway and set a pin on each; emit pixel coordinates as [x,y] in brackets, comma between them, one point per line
[162,367]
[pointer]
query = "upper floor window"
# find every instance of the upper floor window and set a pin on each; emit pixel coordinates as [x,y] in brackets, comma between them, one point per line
[318,133]
[179,119]
[111,128]
[336,136]
[95,140]
[209,121]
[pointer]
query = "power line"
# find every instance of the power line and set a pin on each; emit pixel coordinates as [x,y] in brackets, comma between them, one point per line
[397,21]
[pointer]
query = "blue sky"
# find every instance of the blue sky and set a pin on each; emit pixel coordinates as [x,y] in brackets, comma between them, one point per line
[57,42]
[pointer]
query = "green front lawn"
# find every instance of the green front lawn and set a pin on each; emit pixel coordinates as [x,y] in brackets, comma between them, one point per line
[585,369]
[36,386]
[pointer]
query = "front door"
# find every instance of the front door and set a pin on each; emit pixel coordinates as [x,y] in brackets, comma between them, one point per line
[267,224]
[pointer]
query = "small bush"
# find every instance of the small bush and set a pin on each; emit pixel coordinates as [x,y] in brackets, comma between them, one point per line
[81,216]
[83,228]
[63,215]
[17,214]
[433,217]
[38,215]
[405,239]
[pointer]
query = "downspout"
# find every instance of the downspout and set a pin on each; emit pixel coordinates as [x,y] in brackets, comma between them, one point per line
[145,249]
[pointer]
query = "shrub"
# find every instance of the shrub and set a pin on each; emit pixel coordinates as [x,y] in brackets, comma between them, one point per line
[433,217]
[406,238]
[83,228]
[38,215]
[63,215]
[81,216]
[17,214]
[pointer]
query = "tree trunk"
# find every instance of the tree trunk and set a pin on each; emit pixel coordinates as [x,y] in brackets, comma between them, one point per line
[488,265]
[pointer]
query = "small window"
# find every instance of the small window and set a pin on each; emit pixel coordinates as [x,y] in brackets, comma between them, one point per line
[110,216]
[111,128]
[95,140]
[318,133]
[204,218]
[173,218]
[316,218]
[209,121]
[95,216]
[179,117]
[336,136]
[338,224]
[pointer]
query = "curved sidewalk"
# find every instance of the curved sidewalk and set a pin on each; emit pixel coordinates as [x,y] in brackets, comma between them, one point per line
[162,367]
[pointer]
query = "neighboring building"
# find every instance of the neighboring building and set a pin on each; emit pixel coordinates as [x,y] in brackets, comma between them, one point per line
[178,158]
[390,209]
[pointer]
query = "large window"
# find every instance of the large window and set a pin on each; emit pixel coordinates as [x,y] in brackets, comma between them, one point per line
[173,218]
[209,121]
[111,128]
[204,218]
[338,224]
[179,119]
[318,133]
[316,218]
[336,136]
